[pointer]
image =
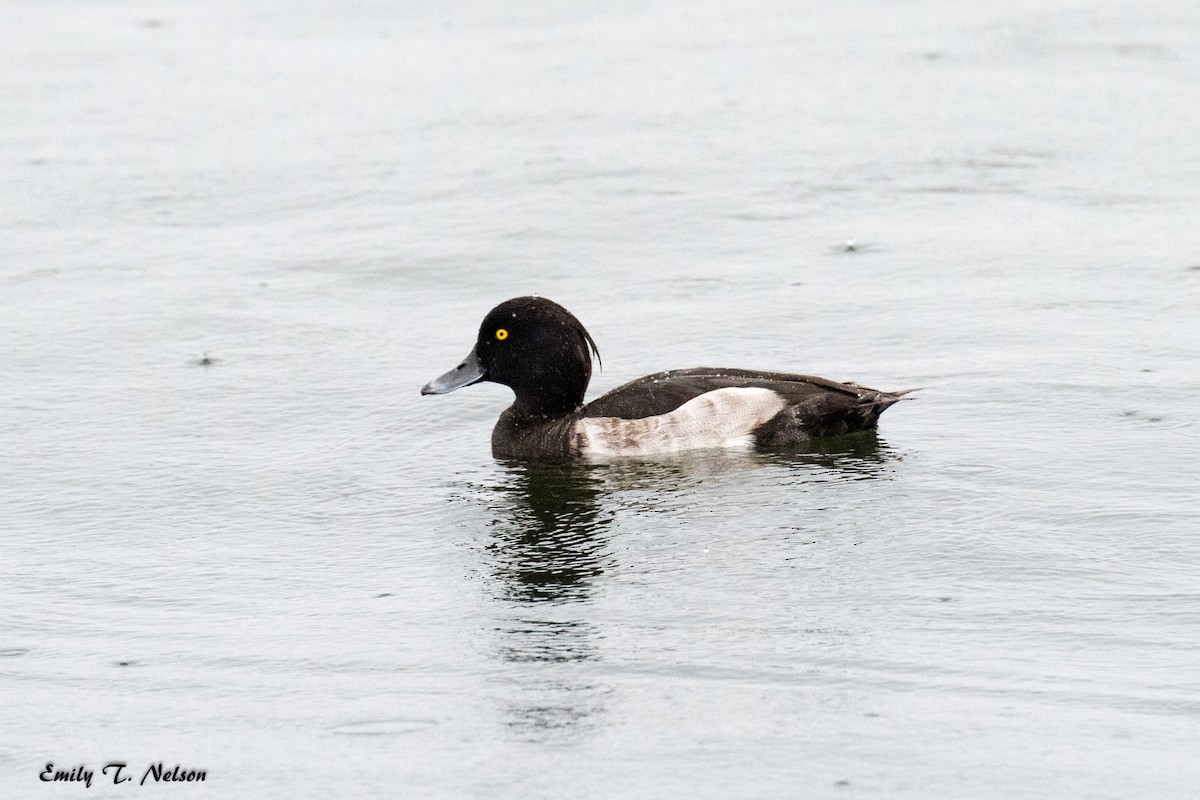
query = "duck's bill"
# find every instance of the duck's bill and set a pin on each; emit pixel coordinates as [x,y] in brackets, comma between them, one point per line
[468,372]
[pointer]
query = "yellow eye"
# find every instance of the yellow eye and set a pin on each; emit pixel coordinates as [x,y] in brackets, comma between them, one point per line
[502,334]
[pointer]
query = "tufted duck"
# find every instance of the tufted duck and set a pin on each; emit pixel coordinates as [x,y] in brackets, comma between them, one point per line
[544,354]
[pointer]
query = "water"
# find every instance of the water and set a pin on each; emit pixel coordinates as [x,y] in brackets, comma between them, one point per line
[287,568]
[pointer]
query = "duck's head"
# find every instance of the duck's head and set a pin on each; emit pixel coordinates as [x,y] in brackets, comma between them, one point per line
[536,348]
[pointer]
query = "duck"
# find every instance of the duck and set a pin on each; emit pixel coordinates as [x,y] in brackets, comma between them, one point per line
[544,354]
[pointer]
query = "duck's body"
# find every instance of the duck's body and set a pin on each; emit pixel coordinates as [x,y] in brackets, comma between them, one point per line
[544,354]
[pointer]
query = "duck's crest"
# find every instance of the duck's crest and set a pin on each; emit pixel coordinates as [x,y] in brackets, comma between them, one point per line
[540,306]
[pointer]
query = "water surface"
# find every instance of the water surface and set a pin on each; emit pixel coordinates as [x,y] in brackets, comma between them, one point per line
[236,240]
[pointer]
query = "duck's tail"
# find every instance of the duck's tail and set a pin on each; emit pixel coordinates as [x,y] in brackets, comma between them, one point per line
[828,417]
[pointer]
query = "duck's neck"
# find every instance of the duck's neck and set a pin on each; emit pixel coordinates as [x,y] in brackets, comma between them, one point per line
[543,404]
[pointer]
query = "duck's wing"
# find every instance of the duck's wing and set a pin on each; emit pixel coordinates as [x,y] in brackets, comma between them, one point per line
[663,392]
[819,406]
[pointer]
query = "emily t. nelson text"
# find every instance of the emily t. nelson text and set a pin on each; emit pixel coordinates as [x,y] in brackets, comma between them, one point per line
[116,772]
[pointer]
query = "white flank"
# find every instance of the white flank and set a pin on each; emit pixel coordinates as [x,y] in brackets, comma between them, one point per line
[720,418]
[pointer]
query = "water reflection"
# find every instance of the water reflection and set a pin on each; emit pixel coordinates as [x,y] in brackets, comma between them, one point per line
[548,640]
[856,456]
[547,550]
[548,544]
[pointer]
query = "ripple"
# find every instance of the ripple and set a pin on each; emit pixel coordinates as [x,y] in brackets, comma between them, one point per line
[383,727]
[970,469]
[1145,418]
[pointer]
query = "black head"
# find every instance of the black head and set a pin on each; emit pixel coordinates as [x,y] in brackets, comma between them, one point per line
[535,347]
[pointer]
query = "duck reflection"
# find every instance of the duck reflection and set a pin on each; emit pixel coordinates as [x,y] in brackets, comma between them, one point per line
[550,545]
[548,549]
[855,456]
[549,541]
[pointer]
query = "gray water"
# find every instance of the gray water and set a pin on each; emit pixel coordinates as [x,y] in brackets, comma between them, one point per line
[237,238]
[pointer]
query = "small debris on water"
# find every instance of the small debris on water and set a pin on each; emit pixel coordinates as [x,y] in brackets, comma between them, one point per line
[857,247]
